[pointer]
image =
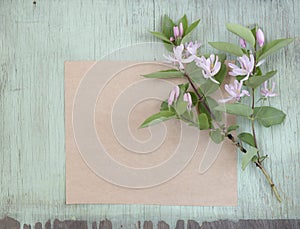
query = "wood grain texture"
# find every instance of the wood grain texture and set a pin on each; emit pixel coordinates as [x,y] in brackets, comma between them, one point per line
[36,39]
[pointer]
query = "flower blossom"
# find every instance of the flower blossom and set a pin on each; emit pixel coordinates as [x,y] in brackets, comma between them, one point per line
[235,92]
[210,66]
[268,92]
[174,94]
[260,37]
[177,57]
[247,66]
[188,98]
[178,32]
[191,48]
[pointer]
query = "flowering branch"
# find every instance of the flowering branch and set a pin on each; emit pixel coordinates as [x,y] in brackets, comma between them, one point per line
[205,75]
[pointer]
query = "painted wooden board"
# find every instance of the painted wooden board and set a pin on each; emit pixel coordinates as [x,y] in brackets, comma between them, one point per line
[10,223]
[37,38]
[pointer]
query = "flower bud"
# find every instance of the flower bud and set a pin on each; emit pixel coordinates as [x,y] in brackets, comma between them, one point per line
[174,94]
[180,29]
[188,98]
[243,43]
[260,37]
[176,31]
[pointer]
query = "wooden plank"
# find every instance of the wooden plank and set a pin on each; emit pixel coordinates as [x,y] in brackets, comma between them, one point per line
[38,225]
[162,225]
[35,41]
[221,224]
[48,224]
[94,225]
[148,225]
[70,224]
[25,226]
[105,224]
[179,224]
[192,224]
[9,223]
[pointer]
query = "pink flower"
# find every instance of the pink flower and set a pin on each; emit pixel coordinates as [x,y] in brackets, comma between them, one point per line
[243,43]
[177,31]
[192,48]
[180,29]
[174,94]
[247,66]
[260,37]
[235,92]
[177,57]
[210,66]
[268,92]
[188,98]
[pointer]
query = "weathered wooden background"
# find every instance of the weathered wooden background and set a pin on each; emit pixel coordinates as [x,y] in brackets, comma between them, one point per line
[38,36]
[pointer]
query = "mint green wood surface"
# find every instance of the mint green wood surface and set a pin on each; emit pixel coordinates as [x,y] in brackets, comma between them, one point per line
[35,42]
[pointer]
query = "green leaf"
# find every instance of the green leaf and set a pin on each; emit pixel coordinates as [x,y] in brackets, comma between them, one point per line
[247,157]
[194,97]
[242,32]
[195,73]
[235,109]
[184,22]
[247,138]
[232,128]
[216,136]
[254,159]
[186,39]
[227,47]
[157,118]
[255,81]
[181,106]
[254,30]
[268,116]
[222,56]
[258,71]
[164,106]
[167,27]
[209,87]
[192,26]
[272,47]
[171,73]
[203,121]
[168,46]
[161,36]
[220,76]
[184,87]
[211,103]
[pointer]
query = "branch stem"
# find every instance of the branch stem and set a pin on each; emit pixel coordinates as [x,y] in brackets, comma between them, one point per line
[234,141]
[200,97]
[271,183]
[253,123]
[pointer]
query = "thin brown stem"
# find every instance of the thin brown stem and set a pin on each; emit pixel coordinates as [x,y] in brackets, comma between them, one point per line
[252,122]
[259,165]
[231,138]
[200,97]
[271,183]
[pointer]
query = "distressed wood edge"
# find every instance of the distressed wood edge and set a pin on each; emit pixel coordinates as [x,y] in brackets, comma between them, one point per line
[11,223]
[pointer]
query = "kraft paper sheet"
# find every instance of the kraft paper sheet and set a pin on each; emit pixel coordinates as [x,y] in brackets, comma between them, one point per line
[184,167]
